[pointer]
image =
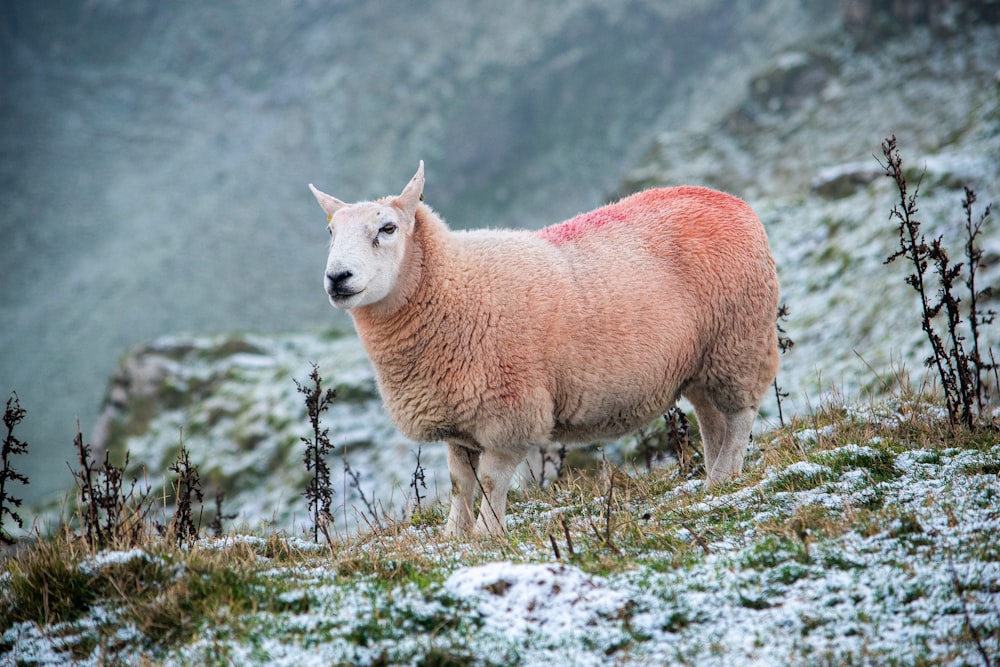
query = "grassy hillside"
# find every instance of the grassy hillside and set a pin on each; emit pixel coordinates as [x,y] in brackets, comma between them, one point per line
[857,536]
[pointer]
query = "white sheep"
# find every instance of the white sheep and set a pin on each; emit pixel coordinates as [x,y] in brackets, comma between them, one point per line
[499,341]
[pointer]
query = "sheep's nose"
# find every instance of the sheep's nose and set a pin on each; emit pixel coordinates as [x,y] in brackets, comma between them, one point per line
[337,281]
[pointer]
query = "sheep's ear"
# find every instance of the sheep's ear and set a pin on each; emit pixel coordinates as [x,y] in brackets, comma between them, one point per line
[329,204]
[407,200]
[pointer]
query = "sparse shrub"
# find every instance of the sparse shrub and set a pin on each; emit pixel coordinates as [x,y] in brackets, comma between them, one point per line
[13,414]
[216,524]
[109,513]
[961,373]
[785,343]
[670,438]
[184,529]
[114,514]
[319,491]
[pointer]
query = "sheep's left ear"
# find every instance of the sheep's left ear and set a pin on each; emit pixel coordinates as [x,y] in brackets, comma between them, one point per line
[407,200]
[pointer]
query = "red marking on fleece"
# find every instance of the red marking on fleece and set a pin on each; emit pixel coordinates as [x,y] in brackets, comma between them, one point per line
[583,223]
[689,202]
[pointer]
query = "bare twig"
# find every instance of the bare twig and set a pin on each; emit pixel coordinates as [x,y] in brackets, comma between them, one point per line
[356,485]
[566,534]
[973,256]
[319,491]
[12,416]
[418,481]
[785,343]
[697,538]
[216,524]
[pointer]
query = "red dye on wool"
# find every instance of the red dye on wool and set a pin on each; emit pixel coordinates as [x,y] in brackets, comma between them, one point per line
[576,227]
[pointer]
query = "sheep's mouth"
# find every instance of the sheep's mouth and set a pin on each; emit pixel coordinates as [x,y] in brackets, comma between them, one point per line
[335,291]
[341,297]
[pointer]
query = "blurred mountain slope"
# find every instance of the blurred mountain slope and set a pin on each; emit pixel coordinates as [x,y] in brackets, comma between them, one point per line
[154,156]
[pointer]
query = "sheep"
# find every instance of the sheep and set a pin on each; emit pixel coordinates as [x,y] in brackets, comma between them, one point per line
[498,341]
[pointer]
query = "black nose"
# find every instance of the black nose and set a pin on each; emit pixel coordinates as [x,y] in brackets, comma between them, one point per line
[337,281]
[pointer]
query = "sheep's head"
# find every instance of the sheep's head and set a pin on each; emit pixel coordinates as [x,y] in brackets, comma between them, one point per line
[368,244]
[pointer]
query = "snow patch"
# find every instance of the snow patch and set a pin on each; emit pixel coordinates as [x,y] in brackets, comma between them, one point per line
[546,604]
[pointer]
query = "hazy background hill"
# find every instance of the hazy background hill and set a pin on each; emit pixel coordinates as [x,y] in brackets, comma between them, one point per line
[153,157]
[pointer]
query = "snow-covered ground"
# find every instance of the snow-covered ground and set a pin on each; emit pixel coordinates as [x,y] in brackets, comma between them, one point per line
[914,578]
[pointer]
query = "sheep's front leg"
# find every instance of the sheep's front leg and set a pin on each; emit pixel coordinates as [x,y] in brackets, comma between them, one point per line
[495,473]
[463,466]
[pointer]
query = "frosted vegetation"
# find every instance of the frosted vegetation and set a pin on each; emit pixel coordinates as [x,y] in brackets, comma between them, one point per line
[232,402]
[857,537]
[862,532]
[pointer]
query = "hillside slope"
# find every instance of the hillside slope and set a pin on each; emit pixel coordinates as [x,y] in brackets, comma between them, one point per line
[854,321]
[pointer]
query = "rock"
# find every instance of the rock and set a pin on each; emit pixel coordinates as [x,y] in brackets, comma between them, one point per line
[232,402]
[843,180]
[794,76]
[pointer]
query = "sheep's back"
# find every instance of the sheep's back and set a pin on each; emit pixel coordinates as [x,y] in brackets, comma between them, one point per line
[660,279]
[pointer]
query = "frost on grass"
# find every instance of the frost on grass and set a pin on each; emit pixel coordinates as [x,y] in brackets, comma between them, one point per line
[899,563]
[542,608]
[111,558]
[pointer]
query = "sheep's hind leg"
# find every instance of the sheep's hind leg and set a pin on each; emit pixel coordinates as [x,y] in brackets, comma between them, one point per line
[729,459]
[711,425]
[495,473]
[463,465]
[724,435]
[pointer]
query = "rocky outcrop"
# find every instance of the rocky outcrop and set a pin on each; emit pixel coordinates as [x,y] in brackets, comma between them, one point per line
[872,21]
[233,404]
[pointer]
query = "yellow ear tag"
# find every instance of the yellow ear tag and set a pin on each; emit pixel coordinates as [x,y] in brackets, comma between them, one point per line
[329,217]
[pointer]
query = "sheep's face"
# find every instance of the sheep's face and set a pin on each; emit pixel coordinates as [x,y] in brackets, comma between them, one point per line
[368,244]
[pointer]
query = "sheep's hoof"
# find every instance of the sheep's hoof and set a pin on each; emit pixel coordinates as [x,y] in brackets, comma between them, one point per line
[489,530]
[454,529]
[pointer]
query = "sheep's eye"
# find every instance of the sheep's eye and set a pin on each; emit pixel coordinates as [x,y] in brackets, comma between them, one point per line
[388,229]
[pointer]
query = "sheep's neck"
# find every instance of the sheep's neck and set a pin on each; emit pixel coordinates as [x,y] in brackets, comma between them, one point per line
[393,331]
